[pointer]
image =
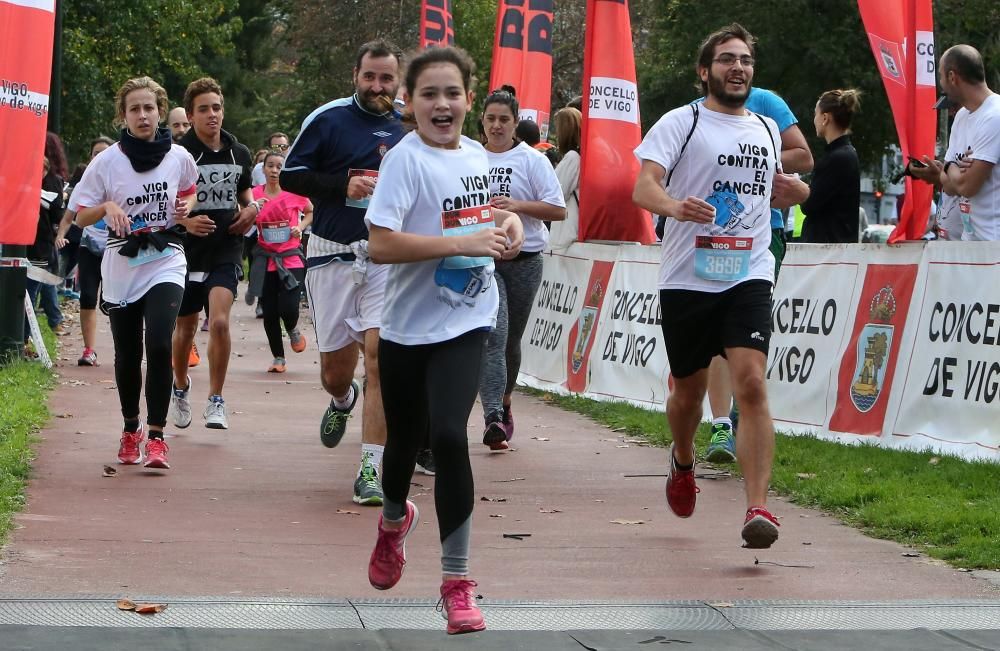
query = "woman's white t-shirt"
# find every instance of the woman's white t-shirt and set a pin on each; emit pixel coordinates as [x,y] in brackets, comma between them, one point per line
[97,233]
[148,199]
[419,189]
[525,174]
[730,162]
[564,233]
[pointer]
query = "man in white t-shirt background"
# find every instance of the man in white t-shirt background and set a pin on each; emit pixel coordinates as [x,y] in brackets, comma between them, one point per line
[716,184]
[969,170]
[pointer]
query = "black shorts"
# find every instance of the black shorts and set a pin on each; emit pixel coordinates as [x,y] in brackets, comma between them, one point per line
[89,275]
[196,292]
[697,326]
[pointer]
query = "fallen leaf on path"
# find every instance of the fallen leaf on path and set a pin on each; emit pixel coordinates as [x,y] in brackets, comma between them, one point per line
[149,609]
[598,500]
[628,521]
[345,512]
[621,446]
[125,604]
[500,481]
[806,475]
[549,511]
[517,536]
[539,438]
[109,471]
[492,499]
[636,441]
[721,604]
[237,413]
[107,381]
[497,515]
[911,554]
[64,415]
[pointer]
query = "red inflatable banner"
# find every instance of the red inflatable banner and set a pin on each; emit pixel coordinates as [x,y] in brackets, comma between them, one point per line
[26,33]
[901,34]
[522,56]
[436,25]
[611,129]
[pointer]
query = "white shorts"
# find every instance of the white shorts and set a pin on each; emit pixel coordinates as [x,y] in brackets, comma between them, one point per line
[342,311]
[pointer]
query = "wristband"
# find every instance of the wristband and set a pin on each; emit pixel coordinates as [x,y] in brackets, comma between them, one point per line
[951,162]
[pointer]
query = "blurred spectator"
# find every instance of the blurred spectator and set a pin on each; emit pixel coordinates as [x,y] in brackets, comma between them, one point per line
[568,123]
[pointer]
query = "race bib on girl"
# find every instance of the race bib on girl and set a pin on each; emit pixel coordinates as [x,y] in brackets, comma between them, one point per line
[148,254]
[466,222]
[722,258]
[276,232]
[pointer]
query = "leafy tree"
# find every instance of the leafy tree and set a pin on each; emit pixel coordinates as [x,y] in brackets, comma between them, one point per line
[107,42]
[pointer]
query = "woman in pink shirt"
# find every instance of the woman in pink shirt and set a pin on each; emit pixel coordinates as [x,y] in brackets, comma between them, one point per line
[278,269]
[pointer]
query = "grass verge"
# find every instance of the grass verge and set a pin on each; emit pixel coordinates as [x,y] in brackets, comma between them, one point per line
[25,386]
[948,507]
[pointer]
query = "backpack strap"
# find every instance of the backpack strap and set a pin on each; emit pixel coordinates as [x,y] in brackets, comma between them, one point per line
[660,219]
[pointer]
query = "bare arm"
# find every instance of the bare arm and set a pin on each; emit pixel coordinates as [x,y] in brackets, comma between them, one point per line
[649,194]
[795,154]
[966,177]
[246,217]
[537,209]
[64,224]
[788,191]
[307,217]
[386,246]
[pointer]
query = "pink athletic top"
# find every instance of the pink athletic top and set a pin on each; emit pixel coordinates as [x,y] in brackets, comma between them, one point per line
[274,223]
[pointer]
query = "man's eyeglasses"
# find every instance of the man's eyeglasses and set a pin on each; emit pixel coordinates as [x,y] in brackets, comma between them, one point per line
[729,60]
[279,147]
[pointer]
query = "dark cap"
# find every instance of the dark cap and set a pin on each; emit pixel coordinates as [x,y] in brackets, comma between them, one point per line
[943,104]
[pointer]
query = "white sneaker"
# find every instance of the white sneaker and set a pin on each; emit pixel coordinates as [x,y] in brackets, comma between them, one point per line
[215,413]
[180,405]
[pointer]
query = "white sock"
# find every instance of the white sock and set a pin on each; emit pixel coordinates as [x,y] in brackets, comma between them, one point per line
[723,420]
[345,402]
[373,454]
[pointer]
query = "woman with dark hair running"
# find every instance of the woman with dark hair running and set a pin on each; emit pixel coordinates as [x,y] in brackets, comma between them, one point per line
[277,266]
[522,181]
[430,219]
[143,188]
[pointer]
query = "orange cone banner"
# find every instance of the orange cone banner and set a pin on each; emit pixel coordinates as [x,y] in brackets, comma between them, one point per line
[522,56]
[901,34]
[26,34]
[611,129]
[436,25]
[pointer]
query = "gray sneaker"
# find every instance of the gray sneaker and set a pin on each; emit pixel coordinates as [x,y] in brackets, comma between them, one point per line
[215,413]
[334,423]
[180,405]
[368,487]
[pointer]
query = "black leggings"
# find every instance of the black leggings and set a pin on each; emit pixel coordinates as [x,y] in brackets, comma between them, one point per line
[280,304]
[158,309]
[431,388]
[89,271]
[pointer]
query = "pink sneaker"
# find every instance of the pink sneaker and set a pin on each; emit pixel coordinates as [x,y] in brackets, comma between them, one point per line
[508,422]
[156,454]
[129,452]
[458,606]
[760,528]
[389,556]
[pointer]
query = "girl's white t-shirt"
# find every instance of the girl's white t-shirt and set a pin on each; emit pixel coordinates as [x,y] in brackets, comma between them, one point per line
[148,199]
[420,190]
[729,162]
[525,174]
[98,232]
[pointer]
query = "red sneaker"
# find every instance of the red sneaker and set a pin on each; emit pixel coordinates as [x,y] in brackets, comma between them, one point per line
[128,451]
[193,357]
[458,606]
[389,556]
[682,492]
[760,528]
[156,454]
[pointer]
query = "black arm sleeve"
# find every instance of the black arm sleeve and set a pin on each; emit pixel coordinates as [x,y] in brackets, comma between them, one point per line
[314,185]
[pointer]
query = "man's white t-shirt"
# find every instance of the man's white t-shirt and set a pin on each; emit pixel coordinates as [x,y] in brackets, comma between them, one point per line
[148,199]
[730,161]
[524,174]
[978,132]
[419,187]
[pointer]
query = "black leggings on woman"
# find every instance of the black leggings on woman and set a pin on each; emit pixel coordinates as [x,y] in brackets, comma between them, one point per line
[432,387]
[158,310]
[280,304]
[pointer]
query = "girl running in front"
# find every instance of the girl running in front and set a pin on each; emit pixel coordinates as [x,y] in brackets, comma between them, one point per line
[143,188]
[430,219]
[521,180]
[277,266]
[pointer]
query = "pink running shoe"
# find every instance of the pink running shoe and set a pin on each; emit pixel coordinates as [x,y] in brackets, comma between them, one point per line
[156,454]
[682,492]
[389,556]
[129,452]
[760,528]
[458,606]
[508,422]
